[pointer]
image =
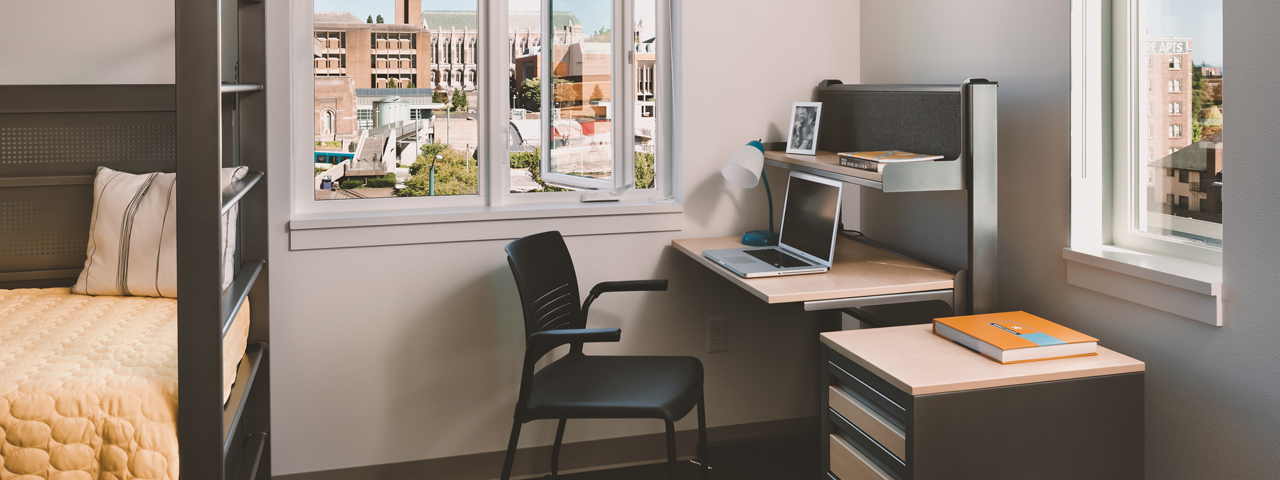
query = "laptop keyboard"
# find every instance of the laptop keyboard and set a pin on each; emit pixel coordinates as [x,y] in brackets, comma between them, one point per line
[777,258]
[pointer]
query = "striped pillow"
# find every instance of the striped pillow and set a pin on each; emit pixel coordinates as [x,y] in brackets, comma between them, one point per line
[133,246]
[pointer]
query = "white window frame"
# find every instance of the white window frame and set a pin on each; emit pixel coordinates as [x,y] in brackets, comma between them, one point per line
[494,202]
[1107,254]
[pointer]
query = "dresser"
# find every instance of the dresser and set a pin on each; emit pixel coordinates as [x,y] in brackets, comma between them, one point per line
[902,403]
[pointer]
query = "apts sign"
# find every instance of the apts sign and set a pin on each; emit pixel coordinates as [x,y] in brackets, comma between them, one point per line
[1171,47]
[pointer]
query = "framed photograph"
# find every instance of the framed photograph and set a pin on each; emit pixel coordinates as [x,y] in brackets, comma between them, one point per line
[802,137]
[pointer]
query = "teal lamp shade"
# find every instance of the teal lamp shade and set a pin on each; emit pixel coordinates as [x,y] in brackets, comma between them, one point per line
[745,169]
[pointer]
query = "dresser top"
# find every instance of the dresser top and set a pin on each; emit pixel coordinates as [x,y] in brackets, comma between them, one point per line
[918,362]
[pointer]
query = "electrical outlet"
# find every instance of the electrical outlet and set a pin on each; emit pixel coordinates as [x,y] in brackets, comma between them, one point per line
[717,335]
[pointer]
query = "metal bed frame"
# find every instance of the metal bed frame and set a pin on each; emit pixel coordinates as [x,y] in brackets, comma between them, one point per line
[53,138]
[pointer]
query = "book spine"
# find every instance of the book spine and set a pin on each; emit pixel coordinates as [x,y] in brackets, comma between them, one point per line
[858,163]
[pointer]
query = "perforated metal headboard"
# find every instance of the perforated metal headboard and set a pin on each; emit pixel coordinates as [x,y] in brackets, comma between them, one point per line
[52,140]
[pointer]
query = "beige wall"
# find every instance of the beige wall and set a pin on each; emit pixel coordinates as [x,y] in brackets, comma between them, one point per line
[86,42]
[394,354]
[1211,393]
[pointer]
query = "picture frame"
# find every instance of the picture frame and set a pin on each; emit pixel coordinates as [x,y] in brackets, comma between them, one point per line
[802,133]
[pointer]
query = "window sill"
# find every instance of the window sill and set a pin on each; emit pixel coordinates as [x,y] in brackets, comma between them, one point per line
[1181,287]
[383,228]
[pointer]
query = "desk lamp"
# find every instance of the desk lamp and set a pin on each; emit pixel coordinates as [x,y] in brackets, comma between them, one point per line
[745,169]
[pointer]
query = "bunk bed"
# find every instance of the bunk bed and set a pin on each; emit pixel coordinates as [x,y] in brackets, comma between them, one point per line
[53,138]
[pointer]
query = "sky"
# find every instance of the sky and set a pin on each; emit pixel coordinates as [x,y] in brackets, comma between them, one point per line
[593,14]
[1199,20]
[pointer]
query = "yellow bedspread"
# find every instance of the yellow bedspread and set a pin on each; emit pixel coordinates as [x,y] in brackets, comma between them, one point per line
[89,385]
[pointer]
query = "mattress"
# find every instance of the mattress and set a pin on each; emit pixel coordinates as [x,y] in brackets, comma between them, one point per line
[89,385]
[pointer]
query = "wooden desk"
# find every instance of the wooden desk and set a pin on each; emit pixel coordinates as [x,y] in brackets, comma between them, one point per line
[859,270]
[903,403]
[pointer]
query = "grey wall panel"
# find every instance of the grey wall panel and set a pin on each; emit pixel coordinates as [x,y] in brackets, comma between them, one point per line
[50,144]
[922,122]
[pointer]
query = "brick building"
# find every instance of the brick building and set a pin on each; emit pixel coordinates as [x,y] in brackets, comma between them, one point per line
[1169,115]
[1184,176]
[335,108]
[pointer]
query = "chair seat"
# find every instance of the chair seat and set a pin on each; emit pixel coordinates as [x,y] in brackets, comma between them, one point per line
[583,386]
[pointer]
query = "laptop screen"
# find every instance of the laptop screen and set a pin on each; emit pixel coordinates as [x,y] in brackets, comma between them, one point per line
[810,216]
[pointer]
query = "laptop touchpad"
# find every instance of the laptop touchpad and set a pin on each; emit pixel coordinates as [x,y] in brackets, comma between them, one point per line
[740,259]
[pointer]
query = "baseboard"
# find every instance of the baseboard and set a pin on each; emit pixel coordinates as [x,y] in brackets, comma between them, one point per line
[579,456]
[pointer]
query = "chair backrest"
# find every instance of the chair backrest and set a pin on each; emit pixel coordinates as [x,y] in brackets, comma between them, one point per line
[547,282]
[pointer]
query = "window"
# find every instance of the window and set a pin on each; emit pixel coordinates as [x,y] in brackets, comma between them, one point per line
[598,108]
[1149,215]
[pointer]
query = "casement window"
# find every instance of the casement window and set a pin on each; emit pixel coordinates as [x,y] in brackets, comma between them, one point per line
[555,104]
[1128,215]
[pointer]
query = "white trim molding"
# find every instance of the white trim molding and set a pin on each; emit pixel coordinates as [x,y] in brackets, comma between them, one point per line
[1173,285]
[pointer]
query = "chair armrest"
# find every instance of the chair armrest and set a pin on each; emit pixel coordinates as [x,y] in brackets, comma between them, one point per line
[624,286]
[629,286]
[549,339]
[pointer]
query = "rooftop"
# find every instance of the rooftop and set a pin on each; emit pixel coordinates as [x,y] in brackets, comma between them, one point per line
[335,17]
[461,20]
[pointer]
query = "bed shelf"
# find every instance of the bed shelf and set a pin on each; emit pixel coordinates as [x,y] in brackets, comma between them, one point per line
[240,88]
[234,297]
[238,189]
[234,411]
[252,456]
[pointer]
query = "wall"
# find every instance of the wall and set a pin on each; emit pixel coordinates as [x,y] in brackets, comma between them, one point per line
[1211,392]
[393,354]
[86,42]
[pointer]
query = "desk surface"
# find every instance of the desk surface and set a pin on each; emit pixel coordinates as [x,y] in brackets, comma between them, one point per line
[918,362]
[860,270]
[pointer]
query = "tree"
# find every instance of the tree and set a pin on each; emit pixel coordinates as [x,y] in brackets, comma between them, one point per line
[409,84]
[379,18]
[439,97]
[459,100]
[597,94]
[370,20]
[391,82]
[603,35]
[530,96]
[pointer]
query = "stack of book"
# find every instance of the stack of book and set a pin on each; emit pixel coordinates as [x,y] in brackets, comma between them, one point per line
[1015,337]
[875,161]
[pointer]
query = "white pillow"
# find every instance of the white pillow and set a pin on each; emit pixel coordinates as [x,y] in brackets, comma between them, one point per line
[133,246]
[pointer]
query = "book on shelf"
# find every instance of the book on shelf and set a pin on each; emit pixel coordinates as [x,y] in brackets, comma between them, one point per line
[1015,337]
[875,161]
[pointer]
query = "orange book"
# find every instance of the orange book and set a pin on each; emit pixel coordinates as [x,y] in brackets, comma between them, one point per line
[1015,337]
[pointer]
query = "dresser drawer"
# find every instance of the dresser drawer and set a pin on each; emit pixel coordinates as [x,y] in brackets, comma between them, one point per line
[849,464]
[874,392]
[866,419]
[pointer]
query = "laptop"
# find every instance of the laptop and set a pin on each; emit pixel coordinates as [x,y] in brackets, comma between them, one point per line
[807,244]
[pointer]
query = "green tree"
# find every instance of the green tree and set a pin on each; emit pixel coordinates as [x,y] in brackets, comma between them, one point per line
[597,95]
[379,18]
[455,173]
[603,35]
[530,96]
[370,20]
[644,170]
[391,82]
[532,162]
[459,100]
[438,97]
[409,84]
[1198,97]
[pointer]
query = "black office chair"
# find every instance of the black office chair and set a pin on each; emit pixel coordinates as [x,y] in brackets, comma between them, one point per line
[584,386]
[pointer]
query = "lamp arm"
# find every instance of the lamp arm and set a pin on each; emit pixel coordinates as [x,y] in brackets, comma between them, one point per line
[768,194]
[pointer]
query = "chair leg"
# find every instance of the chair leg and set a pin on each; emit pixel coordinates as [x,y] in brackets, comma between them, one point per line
[511,450]
[671,448]
[555,449]
[702,438]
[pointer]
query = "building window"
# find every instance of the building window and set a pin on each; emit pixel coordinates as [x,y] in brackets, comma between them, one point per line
[1183,176]
[1175,108]
[1175,63]
[1175,131]
[1175,85]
